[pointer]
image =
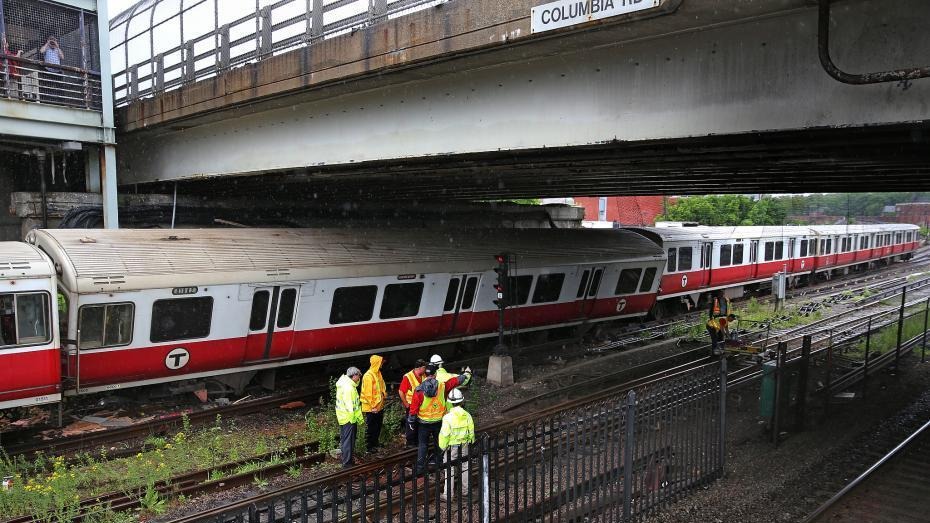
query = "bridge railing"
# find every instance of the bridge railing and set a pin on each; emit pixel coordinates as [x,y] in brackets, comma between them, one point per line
[194,43]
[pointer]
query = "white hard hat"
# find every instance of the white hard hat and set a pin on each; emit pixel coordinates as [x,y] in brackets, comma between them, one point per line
[456,396]
[435,359]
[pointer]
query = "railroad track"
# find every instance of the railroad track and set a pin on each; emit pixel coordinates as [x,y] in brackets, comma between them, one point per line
[92,441]
[893,490]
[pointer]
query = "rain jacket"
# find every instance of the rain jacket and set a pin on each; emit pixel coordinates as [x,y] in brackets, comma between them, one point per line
[348,408]
[458,428]
[443,375]
[373,388]
[429,399]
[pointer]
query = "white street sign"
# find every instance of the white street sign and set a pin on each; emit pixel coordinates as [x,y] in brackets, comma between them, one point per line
[564,13]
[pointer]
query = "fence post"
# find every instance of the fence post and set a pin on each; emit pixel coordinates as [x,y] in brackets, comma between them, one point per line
[133,82]
[377,10]
[782,352]
[800,412]
[923,348]
[897,347]
[723,412]
[865,368]
[485,507]
[315,31]
[628,455]
[189,74]
[829,387]
[224,48]
[264,44]
[160,73]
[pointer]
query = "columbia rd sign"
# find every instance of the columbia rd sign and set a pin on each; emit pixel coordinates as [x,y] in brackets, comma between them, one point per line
[564,13]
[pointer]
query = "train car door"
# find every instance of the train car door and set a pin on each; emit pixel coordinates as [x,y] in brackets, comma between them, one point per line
[590,283]
[459,304]
[707,252]
[754,259]
[271,323]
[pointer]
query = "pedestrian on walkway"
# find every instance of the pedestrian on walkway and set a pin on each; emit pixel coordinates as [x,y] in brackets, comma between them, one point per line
[456,433]
[348,413]
[372,398]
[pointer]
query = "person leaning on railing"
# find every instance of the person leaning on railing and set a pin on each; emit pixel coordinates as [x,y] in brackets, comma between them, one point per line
[10,72]
[52,54]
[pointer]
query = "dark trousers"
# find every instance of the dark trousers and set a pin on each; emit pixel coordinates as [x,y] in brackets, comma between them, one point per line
[715,338]
[373,421]
[412,439]
[347,435]
[428,435]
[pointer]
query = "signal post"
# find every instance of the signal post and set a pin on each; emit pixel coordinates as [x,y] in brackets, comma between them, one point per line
[500,366]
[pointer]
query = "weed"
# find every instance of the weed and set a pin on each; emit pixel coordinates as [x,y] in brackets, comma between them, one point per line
[152,502]
[260,483]
[294,471]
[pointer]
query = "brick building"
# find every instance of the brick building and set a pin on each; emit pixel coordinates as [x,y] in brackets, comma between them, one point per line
[625,210]
[917,213]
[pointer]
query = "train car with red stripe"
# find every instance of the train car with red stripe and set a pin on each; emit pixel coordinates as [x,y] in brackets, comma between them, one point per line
[142,307]
[30,369]
[703,260]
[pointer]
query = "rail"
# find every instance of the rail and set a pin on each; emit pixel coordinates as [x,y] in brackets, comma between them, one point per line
[852,485]
[150,66]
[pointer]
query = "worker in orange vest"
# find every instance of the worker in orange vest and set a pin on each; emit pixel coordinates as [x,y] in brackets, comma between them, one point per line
[372,396]
[427,408]
[408,384]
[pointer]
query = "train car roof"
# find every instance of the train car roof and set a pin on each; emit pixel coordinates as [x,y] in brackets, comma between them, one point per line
[21,260]
[94,260]
[702,233]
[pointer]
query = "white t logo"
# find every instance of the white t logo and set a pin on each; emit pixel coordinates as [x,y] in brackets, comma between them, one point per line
[177,358]
[684,280]
[621,304]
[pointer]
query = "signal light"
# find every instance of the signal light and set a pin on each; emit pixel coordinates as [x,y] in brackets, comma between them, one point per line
[503,277]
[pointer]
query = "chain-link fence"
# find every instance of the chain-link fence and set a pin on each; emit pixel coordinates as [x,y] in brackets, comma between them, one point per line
[50,54]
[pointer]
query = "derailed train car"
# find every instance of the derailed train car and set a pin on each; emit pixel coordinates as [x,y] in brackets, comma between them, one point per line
[112,309]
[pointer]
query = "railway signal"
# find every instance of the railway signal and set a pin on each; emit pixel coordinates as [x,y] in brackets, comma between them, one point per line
[502,287]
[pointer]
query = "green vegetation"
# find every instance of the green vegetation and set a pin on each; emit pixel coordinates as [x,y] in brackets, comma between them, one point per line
[741,210]
[886,338]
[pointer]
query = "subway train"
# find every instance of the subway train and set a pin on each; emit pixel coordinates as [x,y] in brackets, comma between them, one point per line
[87,310]
[702,260]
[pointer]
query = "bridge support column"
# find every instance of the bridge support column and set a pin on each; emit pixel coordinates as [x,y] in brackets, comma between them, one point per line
[107,160]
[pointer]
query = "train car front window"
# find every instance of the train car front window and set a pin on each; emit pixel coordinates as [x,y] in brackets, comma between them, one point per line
[181,318]
[24,318]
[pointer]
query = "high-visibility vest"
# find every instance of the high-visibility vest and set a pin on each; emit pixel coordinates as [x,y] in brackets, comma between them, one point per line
[442,375]
[348,407]
[713,324]
[433,409]
[458,428]
[414,383]
[721,307]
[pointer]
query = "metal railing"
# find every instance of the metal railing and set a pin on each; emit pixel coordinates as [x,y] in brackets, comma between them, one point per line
[615,458]
[177,58]
[34,81]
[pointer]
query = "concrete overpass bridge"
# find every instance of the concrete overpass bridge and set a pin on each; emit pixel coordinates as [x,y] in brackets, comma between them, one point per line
[481,99]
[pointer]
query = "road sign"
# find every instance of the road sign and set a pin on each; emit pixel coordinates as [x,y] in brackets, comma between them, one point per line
[564,13]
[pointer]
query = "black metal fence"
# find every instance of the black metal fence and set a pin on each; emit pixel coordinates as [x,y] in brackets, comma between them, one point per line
[612,459]
[49,54]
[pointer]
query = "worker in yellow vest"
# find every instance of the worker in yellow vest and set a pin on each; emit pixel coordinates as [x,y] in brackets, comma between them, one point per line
[408,384]
[373,394]
[456,433]
[348,413]
[441,374]
[427,409]
[716,335]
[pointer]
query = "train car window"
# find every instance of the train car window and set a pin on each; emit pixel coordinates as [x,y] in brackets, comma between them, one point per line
[753,251]
[648,278]
[401,300]
[451,294]
[548,288]
[286,308]
[520,289]
[726,255]
[829,246]
[684,258]
[738,255]
[107,325]
[63,308]
[181,318]
[779,250]
[769,251]
[672,260]
[468,297]
[595,283]
[259,315]
[803,251]
[24,318]
[583,284]
[629,279]
[351,304]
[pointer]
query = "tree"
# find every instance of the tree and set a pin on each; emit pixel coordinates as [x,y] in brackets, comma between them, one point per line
[727,209]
